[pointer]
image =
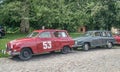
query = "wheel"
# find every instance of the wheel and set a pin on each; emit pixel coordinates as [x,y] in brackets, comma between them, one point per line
[25,54]
[65,50]
[109,45]
[86,46]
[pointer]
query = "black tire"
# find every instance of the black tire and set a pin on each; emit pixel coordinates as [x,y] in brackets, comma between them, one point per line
[109,45]
[65,50]
[25,54]
[86,47]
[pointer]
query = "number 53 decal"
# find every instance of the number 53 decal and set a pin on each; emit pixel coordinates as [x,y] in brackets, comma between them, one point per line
[47,45]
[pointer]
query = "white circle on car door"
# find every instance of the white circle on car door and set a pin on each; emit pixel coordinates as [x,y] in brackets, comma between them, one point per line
[47,45]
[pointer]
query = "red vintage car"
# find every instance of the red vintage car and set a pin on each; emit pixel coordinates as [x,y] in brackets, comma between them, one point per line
[40,41]
[117,38]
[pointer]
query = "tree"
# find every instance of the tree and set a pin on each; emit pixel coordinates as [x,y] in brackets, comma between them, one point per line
[16,11]
[24,25]
[60,14]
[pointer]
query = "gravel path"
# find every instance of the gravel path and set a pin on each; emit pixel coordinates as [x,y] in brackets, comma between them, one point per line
[95,60]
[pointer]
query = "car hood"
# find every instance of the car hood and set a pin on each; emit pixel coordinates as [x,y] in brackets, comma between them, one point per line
[82,38]
[22,40]
[117,37]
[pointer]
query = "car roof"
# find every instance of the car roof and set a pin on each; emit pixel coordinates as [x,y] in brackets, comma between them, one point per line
[53,30]
[98,31]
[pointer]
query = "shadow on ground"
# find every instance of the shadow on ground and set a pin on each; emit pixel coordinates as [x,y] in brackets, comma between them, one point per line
[98,48]
[39,56]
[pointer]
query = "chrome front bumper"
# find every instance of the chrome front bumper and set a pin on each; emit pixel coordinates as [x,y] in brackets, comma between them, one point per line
[13,53]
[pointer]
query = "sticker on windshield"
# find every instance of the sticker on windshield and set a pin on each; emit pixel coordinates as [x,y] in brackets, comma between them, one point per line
[47,45]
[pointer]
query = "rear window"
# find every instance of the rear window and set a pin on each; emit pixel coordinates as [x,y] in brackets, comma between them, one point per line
[106,34]
[60,34]
[109,34]
[97,34]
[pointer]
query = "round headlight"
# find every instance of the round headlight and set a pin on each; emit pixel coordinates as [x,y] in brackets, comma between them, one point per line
[11,46]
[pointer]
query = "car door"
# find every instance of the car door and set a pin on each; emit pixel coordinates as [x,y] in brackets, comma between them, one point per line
[60,39]
[107,37]
[45,42]
[104,38]
[110,38]
[97,39]
[64,38]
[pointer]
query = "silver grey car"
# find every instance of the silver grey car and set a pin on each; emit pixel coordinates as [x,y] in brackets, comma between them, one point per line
[95,39]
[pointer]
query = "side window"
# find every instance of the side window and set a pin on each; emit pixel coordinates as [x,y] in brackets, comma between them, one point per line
[60,34]
[63,34]
[97,34]
[104,34]
[45,35]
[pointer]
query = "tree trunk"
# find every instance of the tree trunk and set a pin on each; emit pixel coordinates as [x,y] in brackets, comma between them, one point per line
[24,25]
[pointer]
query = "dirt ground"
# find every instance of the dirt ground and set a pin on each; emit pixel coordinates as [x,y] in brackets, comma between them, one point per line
[94,60]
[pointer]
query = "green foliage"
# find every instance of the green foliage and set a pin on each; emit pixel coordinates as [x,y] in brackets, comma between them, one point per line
[61,14]
[9,13]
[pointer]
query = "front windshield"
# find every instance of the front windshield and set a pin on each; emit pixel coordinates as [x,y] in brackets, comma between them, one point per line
[33,34]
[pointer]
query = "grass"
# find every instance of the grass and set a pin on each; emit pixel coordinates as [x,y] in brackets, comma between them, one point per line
[6,39]
[74,35]
[9,37]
